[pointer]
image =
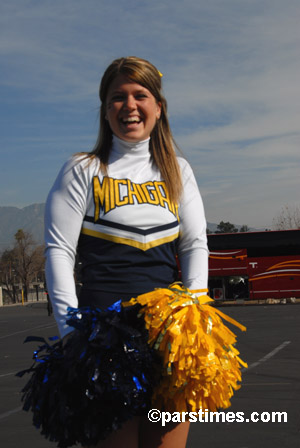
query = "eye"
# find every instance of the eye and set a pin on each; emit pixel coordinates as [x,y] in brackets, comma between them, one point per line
[117,97]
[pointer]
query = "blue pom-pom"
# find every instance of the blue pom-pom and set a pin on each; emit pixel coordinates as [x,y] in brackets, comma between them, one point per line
[102,376]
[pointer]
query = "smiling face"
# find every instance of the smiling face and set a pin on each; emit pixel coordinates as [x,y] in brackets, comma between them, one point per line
[131,110]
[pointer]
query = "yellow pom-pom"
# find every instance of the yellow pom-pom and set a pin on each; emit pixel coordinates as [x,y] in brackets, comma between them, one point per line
[201,365]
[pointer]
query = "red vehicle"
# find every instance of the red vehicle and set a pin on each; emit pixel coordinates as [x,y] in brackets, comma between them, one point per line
[254,265]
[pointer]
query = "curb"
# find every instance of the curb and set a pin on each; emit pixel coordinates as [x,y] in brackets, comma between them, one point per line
[259,302]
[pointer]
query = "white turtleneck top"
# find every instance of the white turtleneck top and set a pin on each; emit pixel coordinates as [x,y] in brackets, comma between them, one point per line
[124,227]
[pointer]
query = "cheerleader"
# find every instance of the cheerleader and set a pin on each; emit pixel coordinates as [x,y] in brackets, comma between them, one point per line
[130,210]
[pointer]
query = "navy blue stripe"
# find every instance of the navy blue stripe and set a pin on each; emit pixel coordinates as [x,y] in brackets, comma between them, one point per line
[132,229]
[110,266]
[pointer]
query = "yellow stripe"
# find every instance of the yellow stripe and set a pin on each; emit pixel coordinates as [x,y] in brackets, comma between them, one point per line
[291,274]
[291,263]
[129,242]
[241,257]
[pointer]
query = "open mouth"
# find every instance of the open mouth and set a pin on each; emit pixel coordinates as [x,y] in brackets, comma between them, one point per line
[131,120]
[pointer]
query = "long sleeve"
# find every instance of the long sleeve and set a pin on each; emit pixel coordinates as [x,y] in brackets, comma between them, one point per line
[192,249]
[65,209]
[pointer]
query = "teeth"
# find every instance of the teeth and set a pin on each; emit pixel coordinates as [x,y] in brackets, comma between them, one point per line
[131,120]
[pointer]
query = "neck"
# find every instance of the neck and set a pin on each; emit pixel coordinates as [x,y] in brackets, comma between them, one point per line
[122,146]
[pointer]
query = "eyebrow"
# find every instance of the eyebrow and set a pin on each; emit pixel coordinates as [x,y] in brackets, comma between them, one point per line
[141,89]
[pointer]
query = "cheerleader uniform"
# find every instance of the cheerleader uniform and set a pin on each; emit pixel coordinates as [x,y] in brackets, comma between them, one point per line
[125,229]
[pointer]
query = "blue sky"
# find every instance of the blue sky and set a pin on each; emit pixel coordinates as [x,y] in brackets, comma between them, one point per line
[231,77]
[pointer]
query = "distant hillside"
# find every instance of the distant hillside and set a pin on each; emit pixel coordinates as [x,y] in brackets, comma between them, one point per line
[213,227]
[30,218]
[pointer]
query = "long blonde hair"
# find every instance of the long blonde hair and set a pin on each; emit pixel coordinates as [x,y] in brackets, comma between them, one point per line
[162,143]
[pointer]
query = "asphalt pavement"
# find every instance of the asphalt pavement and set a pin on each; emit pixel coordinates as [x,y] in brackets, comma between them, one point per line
[271,347]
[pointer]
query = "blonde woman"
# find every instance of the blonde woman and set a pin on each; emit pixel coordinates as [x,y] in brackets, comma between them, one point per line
[128,208]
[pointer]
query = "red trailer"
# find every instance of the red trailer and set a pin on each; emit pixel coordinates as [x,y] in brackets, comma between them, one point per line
[254,265]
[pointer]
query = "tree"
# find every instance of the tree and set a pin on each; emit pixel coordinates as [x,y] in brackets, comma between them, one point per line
[7,274]
[244,228]
[22,263]
[287,218]
[226,227]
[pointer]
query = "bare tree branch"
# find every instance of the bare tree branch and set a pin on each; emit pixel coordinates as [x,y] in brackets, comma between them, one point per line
[22,263]
[287,218]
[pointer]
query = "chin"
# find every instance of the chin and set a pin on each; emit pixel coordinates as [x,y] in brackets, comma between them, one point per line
[132,138]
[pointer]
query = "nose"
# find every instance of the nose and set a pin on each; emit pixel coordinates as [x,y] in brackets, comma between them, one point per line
[130,103]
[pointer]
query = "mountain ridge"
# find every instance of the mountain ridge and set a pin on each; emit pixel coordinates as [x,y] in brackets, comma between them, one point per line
[31,219]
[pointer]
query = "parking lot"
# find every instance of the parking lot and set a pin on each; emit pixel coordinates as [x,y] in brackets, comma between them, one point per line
[270,384]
